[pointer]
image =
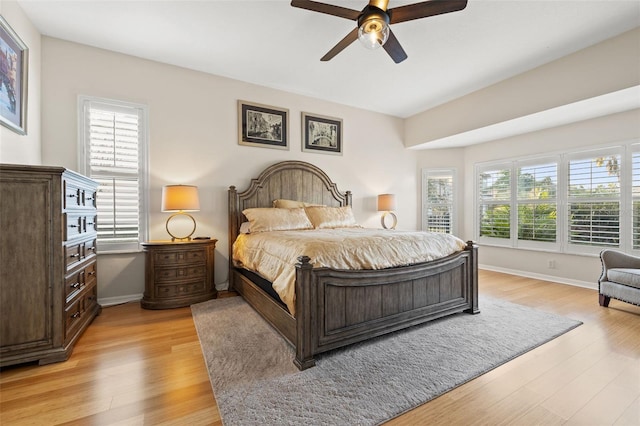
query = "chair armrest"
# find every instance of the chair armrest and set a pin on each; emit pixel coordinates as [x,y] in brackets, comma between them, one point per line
[617,259]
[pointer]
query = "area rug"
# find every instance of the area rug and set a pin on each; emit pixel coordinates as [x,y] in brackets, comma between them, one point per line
[255,382]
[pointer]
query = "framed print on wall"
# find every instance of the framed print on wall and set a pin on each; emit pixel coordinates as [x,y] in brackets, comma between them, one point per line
[14,60]
[321,134]
[262,125]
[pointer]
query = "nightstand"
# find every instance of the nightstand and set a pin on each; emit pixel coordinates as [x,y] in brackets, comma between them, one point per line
[178,273]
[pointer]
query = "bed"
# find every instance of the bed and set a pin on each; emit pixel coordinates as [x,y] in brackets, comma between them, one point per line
[338,307]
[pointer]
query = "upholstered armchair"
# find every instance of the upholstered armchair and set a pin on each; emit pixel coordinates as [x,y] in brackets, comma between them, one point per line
[620,278]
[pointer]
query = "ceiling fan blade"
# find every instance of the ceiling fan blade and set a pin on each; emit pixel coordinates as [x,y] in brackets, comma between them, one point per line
[342,44]
[329,9]
[424,9]
[393,48]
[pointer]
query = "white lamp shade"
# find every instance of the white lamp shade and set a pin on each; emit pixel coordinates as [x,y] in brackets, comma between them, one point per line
[386,202]
[177,198]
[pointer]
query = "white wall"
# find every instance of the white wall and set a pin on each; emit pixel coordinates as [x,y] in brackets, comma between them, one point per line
[194,140]
[603,68]
[600,69]
[15,148]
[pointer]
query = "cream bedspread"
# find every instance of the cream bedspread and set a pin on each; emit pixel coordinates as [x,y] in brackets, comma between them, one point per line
[274,254]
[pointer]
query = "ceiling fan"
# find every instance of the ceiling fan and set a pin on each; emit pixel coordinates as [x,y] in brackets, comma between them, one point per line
[374,20]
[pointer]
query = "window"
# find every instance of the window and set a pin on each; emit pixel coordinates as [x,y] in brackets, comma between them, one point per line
[594,200]
[578,202]
[438,188]
[113,149]
[495,203]
[536,200]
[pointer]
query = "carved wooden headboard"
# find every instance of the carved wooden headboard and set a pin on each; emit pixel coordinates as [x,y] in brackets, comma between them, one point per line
[291,180]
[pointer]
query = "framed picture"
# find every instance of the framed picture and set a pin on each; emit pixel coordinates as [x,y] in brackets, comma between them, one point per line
[321,134]
[263,125]
[14,61]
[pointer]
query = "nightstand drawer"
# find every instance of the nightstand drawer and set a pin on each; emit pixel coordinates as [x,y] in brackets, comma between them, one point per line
[187,289]
[173,274]
[180,257]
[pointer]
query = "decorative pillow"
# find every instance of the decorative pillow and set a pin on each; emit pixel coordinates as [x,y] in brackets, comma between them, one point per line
[271,219]
[291,204]
[245,228]
[331,217]
[288,204]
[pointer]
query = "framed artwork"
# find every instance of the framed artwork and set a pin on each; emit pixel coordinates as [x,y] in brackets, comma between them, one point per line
[14,61]
[262,125]
[321,134]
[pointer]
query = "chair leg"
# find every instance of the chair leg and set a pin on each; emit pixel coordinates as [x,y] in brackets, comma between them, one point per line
[604,300]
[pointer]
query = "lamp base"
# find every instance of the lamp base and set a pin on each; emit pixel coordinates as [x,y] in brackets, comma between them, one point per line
[393,223]
[175,237]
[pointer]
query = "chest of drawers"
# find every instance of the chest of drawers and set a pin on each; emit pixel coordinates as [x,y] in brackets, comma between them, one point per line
[48,269]
[178,273]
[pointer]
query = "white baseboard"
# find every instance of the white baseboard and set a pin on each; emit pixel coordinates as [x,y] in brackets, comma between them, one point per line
[119,300]
[543,277]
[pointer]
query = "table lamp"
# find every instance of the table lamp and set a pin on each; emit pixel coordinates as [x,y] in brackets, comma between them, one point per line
[387,204]
[180,199]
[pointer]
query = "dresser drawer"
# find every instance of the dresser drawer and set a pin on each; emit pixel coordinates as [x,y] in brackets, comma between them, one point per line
[77,281]
[180,257]
[79,224]
[77,311]
[75,253]
[77,195]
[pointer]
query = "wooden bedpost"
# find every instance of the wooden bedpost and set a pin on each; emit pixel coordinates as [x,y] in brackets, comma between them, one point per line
[234,227]
[473,277]
[305,329]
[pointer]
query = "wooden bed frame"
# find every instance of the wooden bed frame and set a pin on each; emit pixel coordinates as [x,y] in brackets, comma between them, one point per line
[335,308]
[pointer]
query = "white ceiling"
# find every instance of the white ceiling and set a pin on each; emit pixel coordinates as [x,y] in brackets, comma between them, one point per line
[273,44]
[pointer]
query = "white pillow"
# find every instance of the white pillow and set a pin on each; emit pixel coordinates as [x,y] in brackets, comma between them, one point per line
[273,219]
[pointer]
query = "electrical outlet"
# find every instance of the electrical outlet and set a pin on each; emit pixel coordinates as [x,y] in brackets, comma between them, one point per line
[552,264]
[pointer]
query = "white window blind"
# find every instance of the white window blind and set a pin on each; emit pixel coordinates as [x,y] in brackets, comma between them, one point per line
[594,201]
[438,201]
[536,200]
[635,196]
[494,188]
[114,147]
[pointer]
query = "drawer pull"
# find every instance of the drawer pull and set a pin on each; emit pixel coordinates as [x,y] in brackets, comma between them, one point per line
[74,226]
[75,285]
[75,315]
[92,273]
[91,248]
[74,255]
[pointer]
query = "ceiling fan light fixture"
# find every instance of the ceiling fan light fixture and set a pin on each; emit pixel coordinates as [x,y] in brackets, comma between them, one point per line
[373,33]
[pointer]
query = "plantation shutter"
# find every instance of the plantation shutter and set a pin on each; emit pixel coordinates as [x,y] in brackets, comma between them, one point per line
[438,207]
[537,186]
[594,201]
[113,158]
[494,203]
[635,196]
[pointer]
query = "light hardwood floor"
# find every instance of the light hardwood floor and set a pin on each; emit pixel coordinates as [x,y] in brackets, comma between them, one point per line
[135,367]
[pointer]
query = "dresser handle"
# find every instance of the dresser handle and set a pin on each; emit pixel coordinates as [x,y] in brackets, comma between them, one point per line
[75,285]
[76,315]
[91,248]
[74,255]
[92,273]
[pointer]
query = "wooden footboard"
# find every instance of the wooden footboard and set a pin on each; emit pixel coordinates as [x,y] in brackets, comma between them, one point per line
[337,308]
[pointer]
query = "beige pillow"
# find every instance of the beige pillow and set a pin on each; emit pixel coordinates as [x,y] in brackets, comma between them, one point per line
[288,204]
[291,204]
[331,217]
[271,219]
